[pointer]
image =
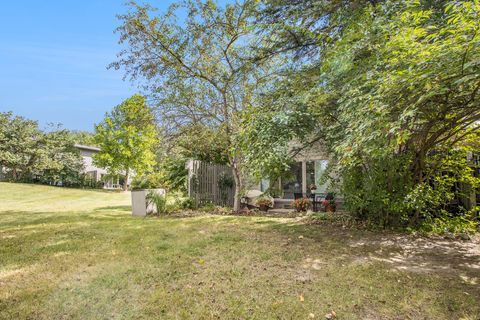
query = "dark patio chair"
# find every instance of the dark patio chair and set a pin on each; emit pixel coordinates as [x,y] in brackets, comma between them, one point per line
[319,198]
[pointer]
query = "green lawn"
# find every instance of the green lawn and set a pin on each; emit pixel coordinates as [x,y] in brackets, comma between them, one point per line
[73,254]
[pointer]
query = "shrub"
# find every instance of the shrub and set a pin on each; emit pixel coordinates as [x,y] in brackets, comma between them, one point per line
[148,181]
[208,207]
[448,223]
[377,195]
[172,207]
[186,203]
[172,173]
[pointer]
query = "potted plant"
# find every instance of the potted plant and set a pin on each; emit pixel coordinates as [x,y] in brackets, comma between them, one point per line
[264,204]
[302,204]
[329,205]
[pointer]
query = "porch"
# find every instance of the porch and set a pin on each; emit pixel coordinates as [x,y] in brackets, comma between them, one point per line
[297,183]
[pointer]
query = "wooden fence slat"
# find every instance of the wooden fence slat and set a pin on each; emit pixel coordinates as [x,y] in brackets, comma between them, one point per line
[203,183]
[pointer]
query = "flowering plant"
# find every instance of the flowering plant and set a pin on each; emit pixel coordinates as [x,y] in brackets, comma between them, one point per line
[264,202]
[302,204]
[329,205]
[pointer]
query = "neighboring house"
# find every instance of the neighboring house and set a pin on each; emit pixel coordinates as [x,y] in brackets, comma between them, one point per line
[87,153]
[96,173]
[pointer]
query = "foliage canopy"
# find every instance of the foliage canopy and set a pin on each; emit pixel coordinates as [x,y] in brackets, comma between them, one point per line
[30,154]
[127,137]
[393,90]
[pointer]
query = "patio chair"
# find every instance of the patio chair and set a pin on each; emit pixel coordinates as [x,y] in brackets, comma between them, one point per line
[319,198]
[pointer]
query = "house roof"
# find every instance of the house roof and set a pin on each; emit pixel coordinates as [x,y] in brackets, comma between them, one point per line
[84,147]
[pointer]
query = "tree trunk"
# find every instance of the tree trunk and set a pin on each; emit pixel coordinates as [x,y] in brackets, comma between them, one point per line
[418,170]
[238,187]
[127,175]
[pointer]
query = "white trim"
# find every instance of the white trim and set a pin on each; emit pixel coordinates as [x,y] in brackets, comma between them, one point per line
[304,177]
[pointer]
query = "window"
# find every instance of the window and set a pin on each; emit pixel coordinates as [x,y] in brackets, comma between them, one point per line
[320,168]
[292,183]
[264,185]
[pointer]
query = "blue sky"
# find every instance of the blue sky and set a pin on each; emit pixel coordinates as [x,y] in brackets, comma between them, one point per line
[53,58]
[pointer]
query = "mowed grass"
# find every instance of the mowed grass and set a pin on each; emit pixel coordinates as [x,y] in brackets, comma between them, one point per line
[75,254]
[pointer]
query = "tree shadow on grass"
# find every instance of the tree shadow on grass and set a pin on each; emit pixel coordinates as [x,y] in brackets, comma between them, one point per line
[404,252]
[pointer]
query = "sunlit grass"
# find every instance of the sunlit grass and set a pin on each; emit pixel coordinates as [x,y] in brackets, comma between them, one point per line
[75,254]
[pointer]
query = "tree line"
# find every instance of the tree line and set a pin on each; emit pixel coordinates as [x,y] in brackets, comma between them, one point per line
[127,138]
[30,154]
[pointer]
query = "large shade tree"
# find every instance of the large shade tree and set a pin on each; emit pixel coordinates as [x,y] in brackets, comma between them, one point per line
[411,74]
[194,59]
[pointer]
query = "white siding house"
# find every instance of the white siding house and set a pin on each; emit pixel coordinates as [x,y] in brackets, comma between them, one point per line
[97,173]
[87,153]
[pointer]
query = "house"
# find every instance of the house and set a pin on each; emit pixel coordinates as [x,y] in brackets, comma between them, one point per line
[98,174]
[308,169]
[87,153]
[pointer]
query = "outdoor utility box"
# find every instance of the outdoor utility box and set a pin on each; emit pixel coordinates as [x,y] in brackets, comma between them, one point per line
[140,206]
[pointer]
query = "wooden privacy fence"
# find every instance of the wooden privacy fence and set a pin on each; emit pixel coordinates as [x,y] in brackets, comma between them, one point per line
[210,183]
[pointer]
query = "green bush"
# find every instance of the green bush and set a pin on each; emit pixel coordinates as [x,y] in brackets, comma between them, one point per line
[172,174]
[208,207]
[149,181]
[187,203]
[383,192]
[376,192]
[448,223]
